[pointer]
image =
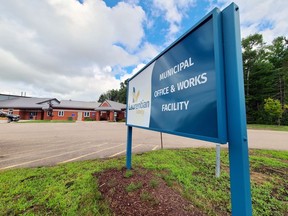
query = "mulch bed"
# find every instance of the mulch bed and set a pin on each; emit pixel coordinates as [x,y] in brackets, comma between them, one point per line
[141,192]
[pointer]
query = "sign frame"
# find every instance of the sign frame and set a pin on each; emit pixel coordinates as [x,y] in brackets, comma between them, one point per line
[215,16]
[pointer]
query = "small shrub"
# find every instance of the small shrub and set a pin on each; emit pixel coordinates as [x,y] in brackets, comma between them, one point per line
[274,110]
[122,120]
[88,119]
[133,187]
[128,174]
[146,197]
[154,183]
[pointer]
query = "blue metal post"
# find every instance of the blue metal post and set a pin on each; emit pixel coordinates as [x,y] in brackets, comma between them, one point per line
[129,148]
[236,114]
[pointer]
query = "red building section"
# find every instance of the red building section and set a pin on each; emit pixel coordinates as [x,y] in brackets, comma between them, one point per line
[52,109]
[110,111]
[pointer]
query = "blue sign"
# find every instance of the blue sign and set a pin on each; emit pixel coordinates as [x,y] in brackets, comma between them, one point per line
[182,90]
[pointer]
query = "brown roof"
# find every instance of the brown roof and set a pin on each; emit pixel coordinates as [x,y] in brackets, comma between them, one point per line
[113,106]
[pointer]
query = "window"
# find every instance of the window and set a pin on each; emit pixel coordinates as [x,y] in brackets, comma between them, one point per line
[10,111]
[33,114]
[86,114]
[61,113]
[49,113]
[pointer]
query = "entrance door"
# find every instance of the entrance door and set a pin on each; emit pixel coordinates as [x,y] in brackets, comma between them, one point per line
[79,116]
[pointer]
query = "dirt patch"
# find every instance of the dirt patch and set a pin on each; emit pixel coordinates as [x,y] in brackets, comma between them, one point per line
[270,171]
[140,192]
[258,178]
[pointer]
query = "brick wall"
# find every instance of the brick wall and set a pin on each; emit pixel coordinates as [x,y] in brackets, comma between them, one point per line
[27,114]
[71,114]
[64,115]
[67,114]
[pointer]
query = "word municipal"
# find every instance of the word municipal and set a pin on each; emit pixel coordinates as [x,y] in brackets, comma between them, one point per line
[182,105]
[176,69]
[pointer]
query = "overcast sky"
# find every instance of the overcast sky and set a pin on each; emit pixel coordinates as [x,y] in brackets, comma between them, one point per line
[79,49]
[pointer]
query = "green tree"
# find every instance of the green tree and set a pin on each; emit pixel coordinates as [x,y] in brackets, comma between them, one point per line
[115,95]
[256,70]
[278,57]
[102,98]
[265,73]
[274,110]
[253,52]
[123,92]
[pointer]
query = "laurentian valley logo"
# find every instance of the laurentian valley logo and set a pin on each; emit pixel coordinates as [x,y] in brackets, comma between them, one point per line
[135,95]
[136,102]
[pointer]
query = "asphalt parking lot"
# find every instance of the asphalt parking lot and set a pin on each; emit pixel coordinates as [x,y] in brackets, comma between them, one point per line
[47,144]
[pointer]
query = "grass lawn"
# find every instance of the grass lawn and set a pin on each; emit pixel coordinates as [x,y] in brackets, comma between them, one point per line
[71,189]
[267,127]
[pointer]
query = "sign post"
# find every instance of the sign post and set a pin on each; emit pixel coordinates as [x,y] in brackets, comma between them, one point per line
[187,89]
[129,148]
[161,138]
[236,114]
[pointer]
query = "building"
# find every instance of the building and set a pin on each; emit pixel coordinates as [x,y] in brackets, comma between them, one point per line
[32,108]
[74,110]
[28,108]
[111,111]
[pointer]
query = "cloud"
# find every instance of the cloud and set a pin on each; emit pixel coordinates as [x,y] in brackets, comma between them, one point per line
[65,48]
[268,17]
[173,11]
[134,71]
[69,50]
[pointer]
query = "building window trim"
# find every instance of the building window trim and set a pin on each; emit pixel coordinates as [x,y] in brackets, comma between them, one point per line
[61,113]
[86,114]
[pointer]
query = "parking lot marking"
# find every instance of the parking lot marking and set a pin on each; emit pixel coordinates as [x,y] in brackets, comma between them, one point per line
[155,148]
[28,162]
[124,151]
[50,150]
[73,159]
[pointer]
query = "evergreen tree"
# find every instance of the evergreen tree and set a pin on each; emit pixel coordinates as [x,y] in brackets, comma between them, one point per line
[253,52]
[115,95]
[278,56]
[256,69]
[265,74]
[123,92]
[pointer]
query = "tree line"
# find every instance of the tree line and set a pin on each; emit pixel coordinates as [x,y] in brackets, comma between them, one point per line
[265,68]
